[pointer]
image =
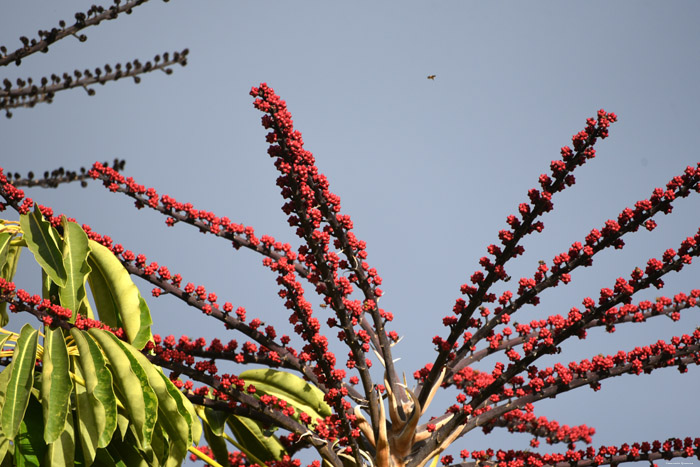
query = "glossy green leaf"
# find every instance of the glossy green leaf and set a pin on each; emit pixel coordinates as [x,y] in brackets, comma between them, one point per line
[123,422]
[139,397]
[4,379]
[61,452]
[8,267]
[216,419]
[75,253]
[56,384]
[214,424]
[253,440]
[169,416]
[301,395]
[9,261]
[187,409]
[144,334]
[104,457]
[98,386]
[42,241]
[160,447]
[217,444]
[118,301]
[126,451]
[4,451]
[4,340]
[21,381]
[29,442]
[87,428]
[5,238]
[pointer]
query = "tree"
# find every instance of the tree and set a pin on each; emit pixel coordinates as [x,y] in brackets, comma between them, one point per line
[351,423]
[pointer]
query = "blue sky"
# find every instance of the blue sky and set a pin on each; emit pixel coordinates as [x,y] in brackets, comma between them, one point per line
[428,170]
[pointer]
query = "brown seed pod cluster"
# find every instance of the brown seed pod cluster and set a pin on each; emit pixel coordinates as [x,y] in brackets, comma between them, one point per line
[29,92]
[58,176]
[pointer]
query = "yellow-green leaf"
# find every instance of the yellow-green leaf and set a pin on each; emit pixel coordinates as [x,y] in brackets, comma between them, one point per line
[75,253]
[169,415]
[139,398]
[4,379]
[87,428]
[253,439]
[216,419]
[4,449]
[56,384]
[297,392]
[98,386]
[29,442]
[104,457]
[5,238]
[186,410]
[160,447]
[184,405]
[125,451]
[118,301]
[61,452]
[4,340]
[42,242]
[216,443]
[8,267]
[21,381]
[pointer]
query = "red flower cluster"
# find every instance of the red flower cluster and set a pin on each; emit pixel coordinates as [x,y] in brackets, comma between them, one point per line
[332,260]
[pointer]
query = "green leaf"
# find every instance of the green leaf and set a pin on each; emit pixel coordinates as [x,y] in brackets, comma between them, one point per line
[49,289]
[125,450]
[8,267]
[253,440]
[301,395]
[144,334]
[186,410]
[4,449]
[217,444]
[4,379]
[21,381]
[62,451]
[160,447]
[98,385]
[4,340]
[169,416]
[139,397]
[118,301]
[216,419]
[29,443]
[5,238]
[214,426]
[75,254]
[89,428]
[185,406]
[123,422]
[56,384]
[104,457]
[41,240]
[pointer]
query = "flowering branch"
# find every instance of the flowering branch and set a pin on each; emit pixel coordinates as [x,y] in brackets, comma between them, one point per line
[333,261]
[578,255]
[492,388]
[562,171]
[625,314]
[605,455]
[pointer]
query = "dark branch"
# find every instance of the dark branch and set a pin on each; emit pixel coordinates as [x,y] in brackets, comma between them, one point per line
[94,16]
[28,94]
